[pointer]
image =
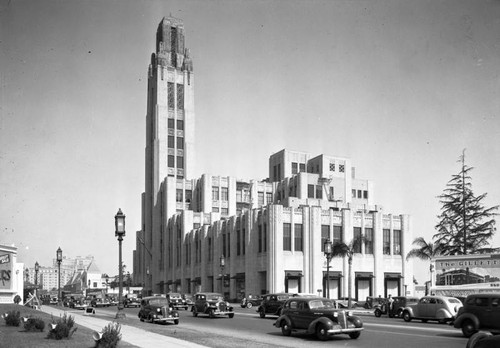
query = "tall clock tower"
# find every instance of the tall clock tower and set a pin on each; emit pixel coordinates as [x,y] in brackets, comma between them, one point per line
[169,124]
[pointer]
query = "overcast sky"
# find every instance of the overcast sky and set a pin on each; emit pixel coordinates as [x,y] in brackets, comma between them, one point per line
[400,87]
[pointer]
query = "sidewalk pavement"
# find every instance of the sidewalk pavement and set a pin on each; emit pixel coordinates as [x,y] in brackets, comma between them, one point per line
[130,334]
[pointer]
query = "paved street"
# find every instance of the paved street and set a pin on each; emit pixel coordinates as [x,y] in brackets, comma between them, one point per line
[247,329]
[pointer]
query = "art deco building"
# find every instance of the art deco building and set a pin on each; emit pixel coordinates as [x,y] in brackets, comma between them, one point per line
[270,233]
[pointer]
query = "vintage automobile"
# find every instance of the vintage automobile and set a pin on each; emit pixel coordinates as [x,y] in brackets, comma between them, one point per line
[480,312]
[441,308]
[100,302]
[211,303]
[317,315]
[131,300]
[250,301]
[53,300]
[273,303]
[156,309]
[371,302]
[188,298]
[401,302]
[176,301]
[343,302]
[483,340]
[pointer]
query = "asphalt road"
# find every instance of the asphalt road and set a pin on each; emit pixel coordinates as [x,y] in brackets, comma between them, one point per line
[247,329]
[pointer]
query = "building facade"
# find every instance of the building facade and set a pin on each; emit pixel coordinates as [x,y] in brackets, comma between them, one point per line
[224,234]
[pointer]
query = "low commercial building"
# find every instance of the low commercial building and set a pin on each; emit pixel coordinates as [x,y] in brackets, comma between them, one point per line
[11,275]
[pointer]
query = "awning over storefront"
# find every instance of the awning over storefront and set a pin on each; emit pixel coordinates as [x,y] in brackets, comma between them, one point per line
[364,275]
[393,275]
[293,274]
[333,275]
[238,276]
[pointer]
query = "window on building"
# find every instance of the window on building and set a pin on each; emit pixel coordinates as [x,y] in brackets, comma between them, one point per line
[365,194]
[359,194]
[180,97]
[325,234]
[295,168]
[215,209]
[275,173]
[332,166]
[171,141]
[180,162]
[171,161]
[302,167]
[396,248]
[310,191]
[228,245]
[171,123]
[173,46]
[224,245]
[337,235]
[298,237]
[331,196]
[210,249]
[215,193]
[239,196]
[260,198]
[224,194]
[357,235]
[386,241]
[180,124]
[189,196]
[341,168]
[171,95]
[180,143]
[353,193]
[187,253]
[243,240]
[269,197]
[319,191]
[287,236]
[178,195]
[368,240]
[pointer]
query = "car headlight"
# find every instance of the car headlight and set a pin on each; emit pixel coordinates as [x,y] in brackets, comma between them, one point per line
[335,314]
[350,313]
[158,310]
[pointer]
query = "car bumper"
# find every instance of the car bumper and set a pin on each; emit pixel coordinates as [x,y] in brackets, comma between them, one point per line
[222,312]
[165,319]
[343,331]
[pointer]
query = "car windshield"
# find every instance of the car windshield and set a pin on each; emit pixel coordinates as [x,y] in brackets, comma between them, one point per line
[454,300]
[321,304]
[215,297]
[159,301]
[175,295]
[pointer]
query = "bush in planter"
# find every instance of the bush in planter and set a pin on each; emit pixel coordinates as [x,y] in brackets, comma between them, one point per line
[34,324]
[63,328]
[12,318]
[17,299]
[110,336]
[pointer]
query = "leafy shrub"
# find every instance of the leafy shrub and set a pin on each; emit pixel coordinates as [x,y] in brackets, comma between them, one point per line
[12,318]
[64,328]
[110,336]
[17,299]
[34,324]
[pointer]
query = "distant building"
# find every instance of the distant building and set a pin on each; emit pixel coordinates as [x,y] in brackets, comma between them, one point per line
[270,232]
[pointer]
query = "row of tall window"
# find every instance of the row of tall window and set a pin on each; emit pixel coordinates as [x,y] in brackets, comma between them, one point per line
[171,161]
[171,95]
[359,194]
[298,237]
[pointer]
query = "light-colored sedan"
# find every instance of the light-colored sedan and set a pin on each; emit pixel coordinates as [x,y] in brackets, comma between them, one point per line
[440,308]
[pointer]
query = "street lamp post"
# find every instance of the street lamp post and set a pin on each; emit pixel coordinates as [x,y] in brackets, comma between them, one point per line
[222,265]
[59,260]
[328,253]
[120,233]
[37,268]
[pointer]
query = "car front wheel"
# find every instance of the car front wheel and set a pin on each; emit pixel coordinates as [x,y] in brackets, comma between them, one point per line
[322,332]
[195,312]
[468,328]
[406,316]
[286,330]
[378,313]
[354,335]
[176,321]
[211,313]
[249,305]
[230,315]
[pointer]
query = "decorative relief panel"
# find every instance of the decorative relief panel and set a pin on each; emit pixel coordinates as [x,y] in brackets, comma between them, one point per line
[368,221]
[180,133]
[180,172]
[180,152]
[171,171]
[386,223]
[337,220]
[215,181]
[171,152]
[356,220]
[171,131]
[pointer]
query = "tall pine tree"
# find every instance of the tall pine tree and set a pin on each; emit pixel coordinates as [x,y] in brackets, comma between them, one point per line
[465,225]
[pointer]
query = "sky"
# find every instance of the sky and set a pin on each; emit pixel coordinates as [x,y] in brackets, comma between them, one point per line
[400,87]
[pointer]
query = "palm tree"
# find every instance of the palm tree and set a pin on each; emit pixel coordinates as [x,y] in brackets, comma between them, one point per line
[425,251]
[348,250]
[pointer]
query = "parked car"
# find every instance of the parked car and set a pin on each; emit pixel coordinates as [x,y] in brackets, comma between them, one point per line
[188,298]
[440,308]
[211,303]
[176,301]
[100,302]
[343,302]
[401,302]
[156,309]
[480,312]
[53,300]
[131,300]
[317,315]
[250,301]
[483,340]
[371,302]
[272,304]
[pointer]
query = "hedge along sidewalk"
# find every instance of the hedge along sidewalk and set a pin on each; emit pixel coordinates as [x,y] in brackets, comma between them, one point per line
[130,334]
